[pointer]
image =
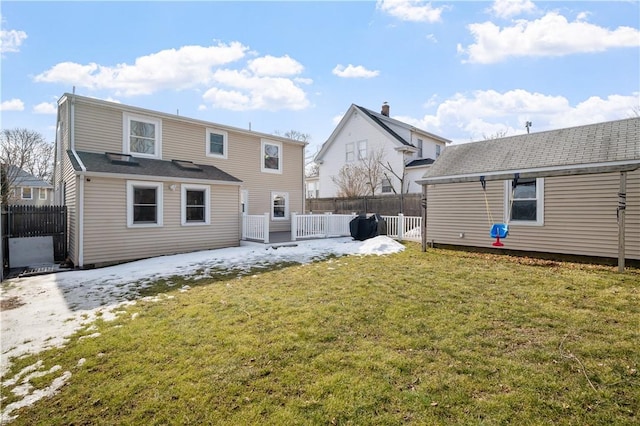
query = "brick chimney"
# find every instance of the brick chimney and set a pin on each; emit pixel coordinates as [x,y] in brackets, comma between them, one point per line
[385,109]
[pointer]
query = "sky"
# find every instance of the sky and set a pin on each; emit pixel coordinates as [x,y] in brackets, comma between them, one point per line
[53,307]
[464,70]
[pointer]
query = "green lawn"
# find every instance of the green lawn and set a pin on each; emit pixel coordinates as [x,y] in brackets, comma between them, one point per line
[442,337]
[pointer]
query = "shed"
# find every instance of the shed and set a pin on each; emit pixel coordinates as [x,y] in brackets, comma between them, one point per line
[578,192]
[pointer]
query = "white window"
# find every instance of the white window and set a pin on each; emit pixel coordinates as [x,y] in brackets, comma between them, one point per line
[313,188]
[42,194]
[420,148]
[144,204]
[27,193]
[195,204]
[271,157]
[386,186]
[438,148]
[217,143]
[528,201]
[279,205]
[362,150]
[349,152]
[142,136]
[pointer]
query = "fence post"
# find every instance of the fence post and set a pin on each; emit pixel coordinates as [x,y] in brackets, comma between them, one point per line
[327,224]
[243,222]
[266,228]
[294,226]
[400,226]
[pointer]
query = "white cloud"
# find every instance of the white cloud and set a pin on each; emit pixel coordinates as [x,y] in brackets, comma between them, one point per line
[354,71]
[11,40]
[271,66]
[411,10]
[46,108]
[12,105]
[551,35]
[472,116]
[248,91]
[510,8]
[182,68]
[264,83]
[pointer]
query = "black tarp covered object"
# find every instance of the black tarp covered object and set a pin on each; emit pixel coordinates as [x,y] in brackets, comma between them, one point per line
[363,227]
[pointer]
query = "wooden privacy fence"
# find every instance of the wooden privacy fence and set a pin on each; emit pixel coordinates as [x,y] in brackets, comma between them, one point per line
[35,221]
[386,205]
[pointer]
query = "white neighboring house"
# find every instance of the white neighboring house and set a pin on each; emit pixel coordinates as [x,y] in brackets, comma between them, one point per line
[361,133]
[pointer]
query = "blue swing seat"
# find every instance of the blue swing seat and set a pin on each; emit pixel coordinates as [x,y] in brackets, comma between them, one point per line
[499,230]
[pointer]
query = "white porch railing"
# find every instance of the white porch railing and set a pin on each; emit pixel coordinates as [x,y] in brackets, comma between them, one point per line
[320,225]
[401,227]
[256,227]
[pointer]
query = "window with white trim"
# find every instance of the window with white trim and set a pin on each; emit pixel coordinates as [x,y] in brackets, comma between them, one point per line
[438,150]
[26,193]
[386,186]
[217,143]
[142,136]
[528,201]
[42,195]
[279,205]
[195,204]
[271,157]
[362,149]
[144,204]
[420,144]
[349,152]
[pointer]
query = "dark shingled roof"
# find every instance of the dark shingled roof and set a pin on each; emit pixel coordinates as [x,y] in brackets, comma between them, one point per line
[609,146]
[421,162]
[379,118]
[21,178]
[100,163]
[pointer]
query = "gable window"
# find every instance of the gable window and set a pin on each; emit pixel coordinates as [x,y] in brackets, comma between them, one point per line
[271,157]
[420,148]
[438,148]
[386,186]
[279,205]
[528,203]
[144,204]
[42,194]
[216,143]
[142,136]
[195,204]
[27,193]
[362,150]
[349,152]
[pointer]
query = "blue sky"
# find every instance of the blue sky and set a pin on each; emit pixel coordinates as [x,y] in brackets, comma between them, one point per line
[462,70]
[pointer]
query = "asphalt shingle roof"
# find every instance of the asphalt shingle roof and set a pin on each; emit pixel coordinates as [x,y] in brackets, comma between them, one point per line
[22,178]
[613,141]
[97,162]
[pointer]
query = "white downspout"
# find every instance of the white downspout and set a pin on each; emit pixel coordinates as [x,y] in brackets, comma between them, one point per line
[80,195]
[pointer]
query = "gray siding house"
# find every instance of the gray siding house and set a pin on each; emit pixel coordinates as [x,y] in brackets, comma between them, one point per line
[577,192]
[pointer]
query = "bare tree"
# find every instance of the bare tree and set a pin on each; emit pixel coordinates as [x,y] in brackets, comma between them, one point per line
[351,180]
[372,168]
[312,169]
[27,150]
[497,135]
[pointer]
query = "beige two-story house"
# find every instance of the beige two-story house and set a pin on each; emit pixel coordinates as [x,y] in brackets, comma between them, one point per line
[139,183]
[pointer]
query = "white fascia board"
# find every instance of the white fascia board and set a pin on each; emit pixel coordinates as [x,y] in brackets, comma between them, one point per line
[592,168]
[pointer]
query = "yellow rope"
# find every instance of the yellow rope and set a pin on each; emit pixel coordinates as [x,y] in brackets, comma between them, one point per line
[486,202]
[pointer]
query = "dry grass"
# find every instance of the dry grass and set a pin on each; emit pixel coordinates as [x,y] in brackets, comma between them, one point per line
[413,338]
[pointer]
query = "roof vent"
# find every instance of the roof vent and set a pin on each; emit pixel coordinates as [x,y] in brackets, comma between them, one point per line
[385,109]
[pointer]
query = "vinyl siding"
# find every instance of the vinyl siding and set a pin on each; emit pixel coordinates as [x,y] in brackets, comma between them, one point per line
[72,209]
[579,216]
[107,238]
[99,129]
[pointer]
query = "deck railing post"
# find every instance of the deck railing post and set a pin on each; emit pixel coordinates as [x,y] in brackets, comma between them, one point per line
[400,226]
[294,226]
[266,228]
[327,224]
